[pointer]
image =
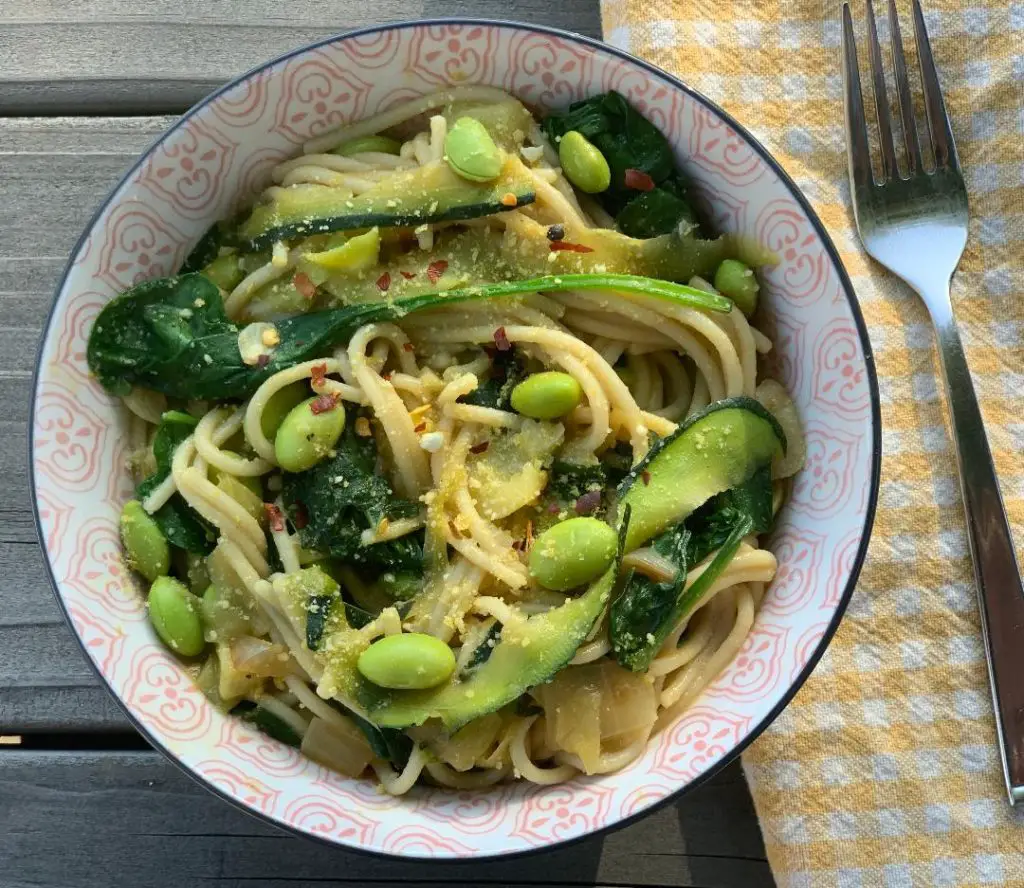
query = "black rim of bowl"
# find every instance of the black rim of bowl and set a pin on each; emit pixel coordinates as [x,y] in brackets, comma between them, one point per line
[851,299]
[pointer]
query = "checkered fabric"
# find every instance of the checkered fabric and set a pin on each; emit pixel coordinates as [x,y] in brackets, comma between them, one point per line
[884,769]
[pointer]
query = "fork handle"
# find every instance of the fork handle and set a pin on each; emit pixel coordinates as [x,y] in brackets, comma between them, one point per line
[1000,595]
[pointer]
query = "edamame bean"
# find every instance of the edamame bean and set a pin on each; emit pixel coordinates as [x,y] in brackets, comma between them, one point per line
[280,405]
[471,152]
[410,661]
[572,553]
[736,280]
[381,144]
[145,546]
[583,164]
[175,615]
[309,433]
[224,272]
[547,395]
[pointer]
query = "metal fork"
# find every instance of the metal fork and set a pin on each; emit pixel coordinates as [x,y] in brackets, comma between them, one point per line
[916,226]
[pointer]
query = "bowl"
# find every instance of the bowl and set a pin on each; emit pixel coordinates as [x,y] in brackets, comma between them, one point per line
[218,156]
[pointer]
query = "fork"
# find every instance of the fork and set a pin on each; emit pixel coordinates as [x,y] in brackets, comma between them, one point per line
[916,226]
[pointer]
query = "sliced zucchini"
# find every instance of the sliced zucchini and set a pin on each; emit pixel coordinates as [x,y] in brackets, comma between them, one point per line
[715,450]
[431,193]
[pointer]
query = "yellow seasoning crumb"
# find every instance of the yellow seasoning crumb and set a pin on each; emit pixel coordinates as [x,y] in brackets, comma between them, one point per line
[508,199]
[271,337]
[363,427]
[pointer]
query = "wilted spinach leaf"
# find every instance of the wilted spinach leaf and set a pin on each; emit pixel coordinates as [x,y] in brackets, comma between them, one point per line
[341,497]
[629,141]
[267,722]
[389,744]
[645,612]
[507,371]
[206,250]
[180,523]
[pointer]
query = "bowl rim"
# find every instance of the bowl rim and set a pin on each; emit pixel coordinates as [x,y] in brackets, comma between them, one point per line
[845,284]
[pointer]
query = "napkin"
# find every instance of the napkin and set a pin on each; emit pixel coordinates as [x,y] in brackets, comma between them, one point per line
[884,769]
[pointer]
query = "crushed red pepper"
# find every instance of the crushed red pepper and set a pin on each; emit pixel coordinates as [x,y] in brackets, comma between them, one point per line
[304,285]
[638,180]
[562,245]
[274,517]
[480,448]
[384,282]
[324,403]
[436,269]
[501,340]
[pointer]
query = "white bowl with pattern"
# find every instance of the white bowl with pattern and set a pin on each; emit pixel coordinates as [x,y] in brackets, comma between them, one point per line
[217,157]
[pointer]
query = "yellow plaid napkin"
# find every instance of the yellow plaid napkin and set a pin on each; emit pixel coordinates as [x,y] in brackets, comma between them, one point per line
[884,769]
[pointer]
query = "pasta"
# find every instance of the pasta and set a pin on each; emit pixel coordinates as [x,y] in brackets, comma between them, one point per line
[503,424]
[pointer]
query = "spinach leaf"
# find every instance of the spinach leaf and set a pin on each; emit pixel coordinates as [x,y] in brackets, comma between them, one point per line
[652,213]
[317,613]
[482,652]
[389,744]
[641,616]
[568,481]
[180,523]
[644,613]
[341,497]
[206,250]
[629,141]
[712,523]
[267,722]
[171,335]
[507,370]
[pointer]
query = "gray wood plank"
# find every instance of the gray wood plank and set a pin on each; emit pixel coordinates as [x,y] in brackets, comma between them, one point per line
[131,819]
[161,56]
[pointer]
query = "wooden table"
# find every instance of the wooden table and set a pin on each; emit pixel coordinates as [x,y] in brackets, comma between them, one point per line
[85,85]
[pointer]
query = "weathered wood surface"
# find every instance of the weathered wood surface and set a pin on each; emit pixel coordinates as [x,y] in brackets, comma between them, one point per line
[160,56]
[71,812]
[105,819]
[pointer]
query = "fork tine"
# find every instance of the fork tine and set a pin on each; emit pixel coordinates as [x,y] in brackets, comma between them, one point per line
[890,170]
[857,149]
[899,64]
[938,120]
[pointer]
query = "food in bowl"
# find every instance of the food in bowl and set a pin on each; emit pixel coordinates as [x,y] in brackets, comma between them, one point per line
[451,463]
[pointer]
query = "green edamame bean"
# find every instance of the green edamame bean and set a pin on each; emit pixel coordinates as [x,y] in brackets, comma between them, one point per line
[280,405]
[583,163]
[175,615]
[145,546]
[572,553]
[225,272]
[547,395]
[381,144]
[308,434]
[410,661]
[471,152]
[736,280]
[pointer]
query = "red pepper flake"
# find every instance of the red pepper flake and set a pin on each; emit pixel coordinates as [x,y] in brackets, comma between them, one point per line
[408,346]
[262,361]
[274,517]
[419,427]
[324,403]
[480,448]
[588,502]
[301,518]
[384,282]
[554,509]
[555,246]
[317,374]
[645,476]
[408,275]
[639,180]
[501,340]
[304,285]
[436,269]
